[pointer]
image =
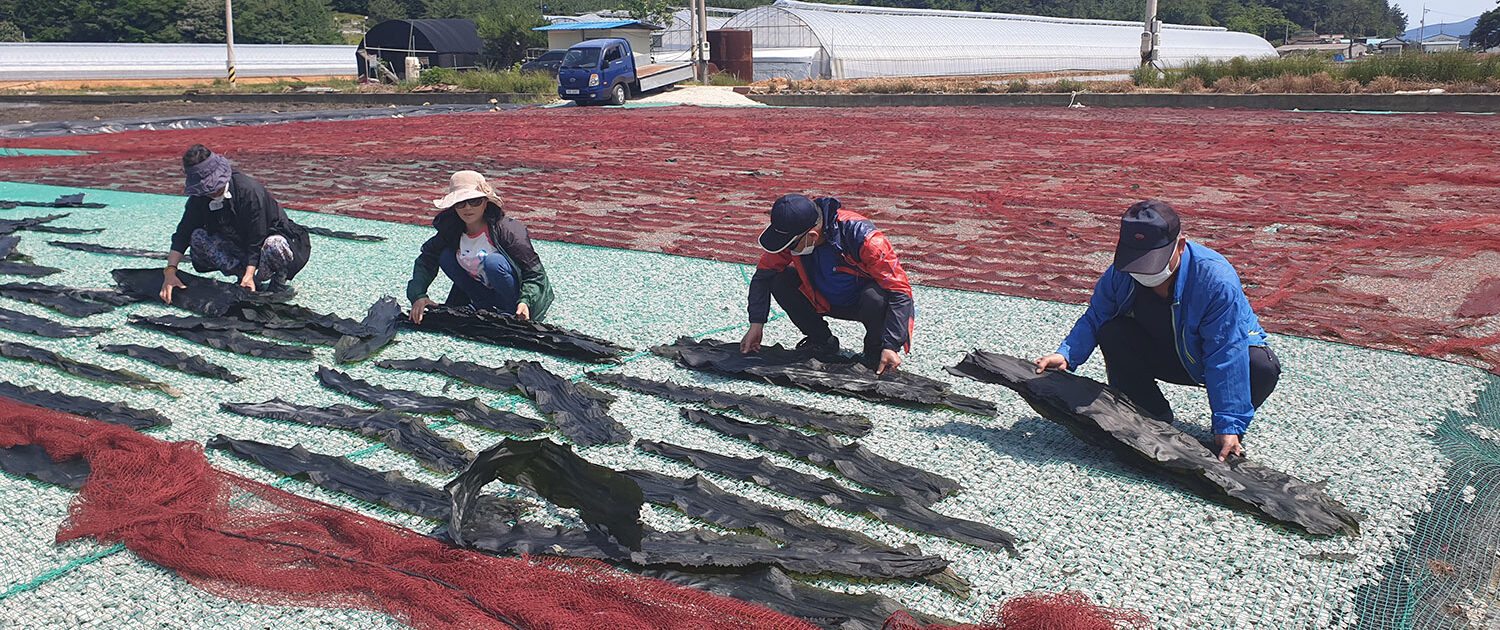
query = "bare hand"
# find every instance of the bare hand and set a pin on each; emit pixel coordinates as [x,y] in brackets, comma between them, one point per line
[248,280]
[751,343]
[417,308]
[1227,444]
[169,282]
[1051,361]
[889,360]
[523,311]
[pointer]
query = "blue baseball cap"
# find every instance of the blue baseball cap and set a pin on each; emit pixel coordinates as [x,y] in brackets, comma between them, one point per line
[791,217]
[1148,236]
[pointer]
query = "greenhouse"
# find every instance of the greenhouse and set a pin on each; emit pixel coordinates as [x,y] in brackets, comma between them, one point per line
[801,40]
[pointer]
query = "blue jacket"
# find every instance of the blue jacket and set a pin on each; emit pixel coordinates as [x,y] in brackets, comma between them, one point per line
[1212,323]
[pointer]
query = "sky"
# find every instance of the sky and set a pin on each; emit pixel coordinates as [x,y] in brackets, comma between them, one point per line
[1442,11]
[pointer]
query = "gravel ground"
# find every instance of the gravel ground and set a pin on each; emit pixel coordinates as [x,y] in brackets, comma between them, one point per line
[1351,417]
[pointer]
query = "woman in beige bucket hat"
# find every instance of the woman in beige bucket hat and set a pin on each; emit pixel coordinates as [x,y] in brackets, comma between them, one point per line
[486,254]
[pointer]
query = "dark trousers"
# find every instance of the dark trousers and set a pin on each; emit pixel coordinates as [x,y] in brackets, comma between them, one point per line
[504,285]
[1135,360]
[869,308]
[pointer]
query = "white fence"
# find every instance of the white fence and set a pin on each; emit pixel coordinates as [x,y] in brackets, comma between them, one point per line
[74,61]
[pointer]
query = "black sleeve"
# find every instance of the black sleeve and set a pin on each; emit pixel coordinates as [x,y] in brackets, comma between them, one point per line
[760,295]
[192,219]
[425,269]
[898,320]
[254,223]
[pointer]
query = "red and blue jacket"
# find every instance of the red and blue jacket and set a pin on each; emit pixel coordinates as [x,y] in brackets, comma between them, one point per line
[865,253]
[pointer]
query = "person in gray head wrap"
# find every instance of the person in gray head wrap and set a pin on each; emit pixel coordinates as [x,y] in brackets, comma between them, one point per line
[232,225]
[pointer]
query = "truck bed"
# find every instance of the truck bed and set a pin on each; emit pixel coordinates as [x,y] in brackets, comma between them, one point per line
[658,75]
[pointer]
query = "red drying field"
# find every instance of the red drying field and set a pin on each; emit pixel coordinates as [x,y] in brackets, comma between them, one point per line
[1381,231]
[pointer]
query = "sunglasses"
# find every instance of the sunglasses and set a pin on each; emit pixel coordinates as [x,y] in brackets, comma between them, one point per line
[477,201]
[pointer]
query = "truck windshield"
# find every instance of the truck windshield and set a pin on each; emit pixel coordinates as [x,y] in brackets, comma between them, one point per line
[581,58]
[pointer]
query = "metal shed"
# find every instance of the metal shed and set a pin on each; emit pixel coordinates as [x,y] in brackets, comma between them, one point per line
[435,43]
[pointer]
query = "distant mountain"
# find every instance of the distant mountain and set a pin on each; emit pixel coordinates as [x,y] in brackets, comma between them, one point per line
[1456,29]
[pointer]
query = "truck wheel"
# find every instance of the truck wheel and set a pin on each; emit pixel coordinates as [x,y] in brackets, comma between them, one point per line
[617,94]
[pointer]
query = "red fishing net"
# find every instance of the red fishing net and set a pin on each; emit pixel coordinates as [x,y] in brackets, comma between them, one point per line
[1381,231]
[1043,611]
[248,541]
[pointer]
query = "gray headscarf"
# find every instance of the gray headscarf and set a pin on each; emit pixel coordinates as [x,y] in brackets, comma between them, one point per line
[208,176]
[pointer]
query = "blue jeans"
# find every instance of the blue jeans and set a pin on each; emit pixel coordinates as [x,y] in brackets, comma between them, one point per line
[504,288]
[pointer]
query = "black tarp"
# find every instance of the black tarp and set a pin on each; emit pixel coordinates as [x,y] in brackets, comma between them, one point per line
[226,339]
[753,405]
[95,248]
[172,360]
[506,330]
[203,296]
[204,121]
[380,328]
[606,501]
[472,411]
[17,321]
[850,460]
[452,43]
[70,301]
[389,488]
[402,433]
[897,511]
[23,352]
[111,412]
[341,234]
[1103,417]
[792,368]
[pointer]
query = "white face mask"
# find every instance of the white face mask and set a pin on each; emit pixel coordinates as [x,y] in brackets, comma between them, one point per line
[1154,279]
[809,249]
[216,203]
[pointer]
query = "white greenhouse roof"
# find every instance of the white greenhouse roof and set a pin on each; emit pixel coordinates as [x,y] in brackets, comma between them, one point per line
[64,61]
[860,42]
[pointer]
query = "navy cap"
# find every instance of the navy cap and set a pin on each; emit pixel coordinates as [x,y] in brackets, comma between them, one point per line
[791,217]
[1148,236]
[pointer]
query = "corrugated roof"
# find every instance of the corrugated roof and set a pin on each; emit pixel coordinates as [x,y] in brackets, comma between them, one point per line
[598,26]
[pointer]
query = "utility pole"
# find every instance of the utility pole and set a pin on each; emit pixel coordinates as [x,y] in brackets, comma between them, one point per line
[229,38]
[1422,35]
[1151,37]
[702,37]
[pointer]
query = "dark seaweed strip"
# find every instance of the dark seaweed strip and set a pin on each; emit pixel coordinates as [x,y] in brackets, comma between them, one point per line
[897,511]
[227,340]
[471,411]
[505,330]
[180,361]
[23,352]
[402,433]
[69,301]
[580,418]
[852,460]
[43,327]
[203,296]
[111,412]
[380,326]
[96,248]
[30,460]
[752,405]
[1100,416]
[348,236]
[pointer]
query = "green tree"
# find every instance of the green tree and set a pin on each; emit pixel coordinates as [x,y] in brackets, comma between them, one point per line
[1487,31]
[284,21]
[383,10]
[507,34]
[650,11]
[11,33]
[202,21]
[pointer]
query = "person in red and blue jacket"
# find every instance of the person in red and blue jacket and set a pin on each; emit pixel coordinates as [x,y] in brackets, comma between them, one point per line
[1170,309]
[821,261]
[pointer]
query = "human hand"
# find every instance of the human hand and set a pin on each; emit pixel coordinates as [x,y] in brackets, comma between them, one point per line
[248,280]
[1051,361]
[417,308]
[750,344]
[1226,444]
[170,281]
[889,360]
[523,311]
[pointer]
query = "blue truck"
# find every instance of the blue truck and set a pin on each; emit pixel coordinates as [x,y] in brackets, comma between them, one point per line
[607,70]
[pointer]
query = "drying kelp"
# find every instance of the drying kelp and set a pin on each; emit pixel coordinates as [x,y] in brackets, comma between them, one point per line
[8,245]
[8,226]
[30,460]
[578,410]
[95,248]
[851,460]
[23,352]
[389,488]
[402,433]
[507,330]
[772,588]
[74,200]
[70,301]
[222,338]
[203,296]
[898,511]
[471,411]
[380,328]
[793,368]
[12,263]
[348,236]
[293,317]
[1101,416]
[42,327]
[753,405]
[606,501]
[111,412]
[580,418]
[172,360]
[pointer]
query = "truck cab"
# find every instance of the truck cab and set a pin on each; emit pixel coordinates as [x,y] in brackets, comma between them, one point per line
[597,70]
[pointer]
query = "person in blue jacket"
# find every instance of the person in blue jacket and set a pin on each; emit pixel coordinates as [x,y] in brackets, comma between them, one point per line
[1172,310]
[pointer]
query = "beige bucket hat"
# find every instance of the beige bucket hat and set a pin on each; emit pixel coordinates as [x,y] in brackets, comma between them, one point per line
[466,185]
